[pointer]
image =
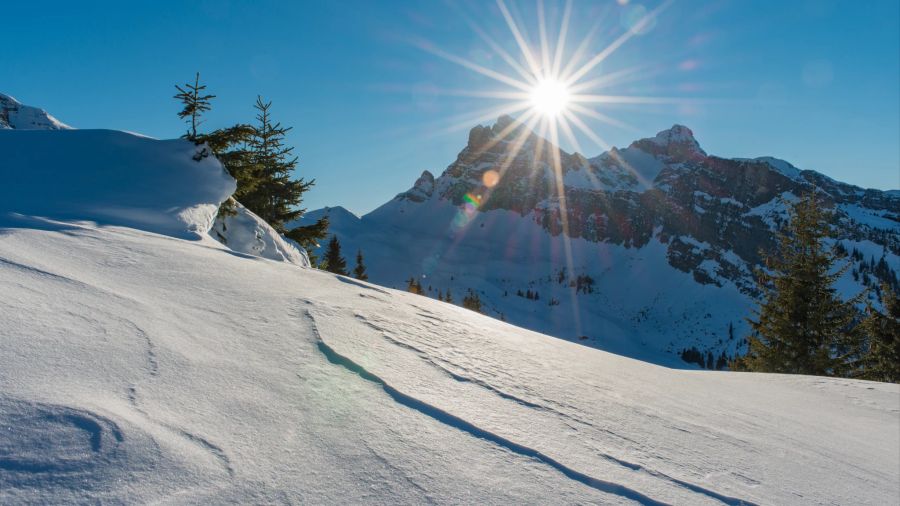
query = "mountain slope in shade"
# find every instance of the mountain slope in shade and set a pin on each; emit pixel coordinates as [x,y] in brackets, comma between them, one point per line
[15,116]
[647,250]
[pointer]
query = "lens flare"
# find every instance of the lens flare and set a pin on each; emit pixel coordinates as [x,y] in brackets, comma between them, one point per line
[490,178]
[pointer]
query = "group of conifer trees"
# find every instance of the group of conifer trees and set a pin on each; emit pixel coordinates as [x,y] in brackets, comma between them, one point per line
[333,261]
[802,325]
[257,157]
[470,301]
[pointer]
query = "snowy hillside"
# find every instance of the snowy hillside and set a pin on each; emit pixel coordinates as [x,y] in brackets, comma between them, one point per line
[138,367]
[120,178]
[649,251]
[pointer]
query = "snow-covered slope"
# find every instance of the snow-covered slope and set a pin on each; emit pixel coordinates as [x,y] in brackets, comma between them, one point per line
[111,177]
[142,362]
[137,368]
[647,250]
[14,115]
[245,232]
[124,179]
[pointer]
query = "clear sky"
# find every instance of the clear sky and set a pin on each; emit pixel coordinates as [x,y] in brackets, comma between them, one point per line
[814,82]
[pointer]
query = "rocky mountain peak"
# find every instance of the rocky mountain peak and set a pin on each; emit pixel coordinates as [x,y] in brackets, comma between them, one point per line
[505,129]
[421,190]
[677,143]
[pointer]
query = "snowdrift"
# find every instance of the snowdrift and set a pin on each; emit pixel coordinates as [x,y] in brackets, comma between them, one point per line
[246,232]
[117,178]
[113,178]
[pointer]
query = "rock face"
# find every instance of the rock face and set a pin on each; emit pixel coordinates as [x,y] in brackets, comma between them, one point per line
[15,116]
[663,187]
[661,205]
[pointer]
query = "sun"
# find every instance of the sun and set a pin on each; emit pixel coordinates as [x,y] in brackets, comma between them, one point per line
[550,97]
[551,88]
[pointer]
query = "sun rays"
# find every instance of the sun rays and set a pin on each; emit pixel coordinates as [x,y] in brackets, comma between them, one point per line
[554,88]
[547,81]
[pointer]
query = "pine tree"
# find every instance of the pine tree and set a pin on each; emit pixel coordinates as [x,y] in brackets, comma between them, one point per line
[472,301]
[230,147]
[881,337]
[196,102]
[448,298]
[359,272]
[333,260]
[276,198]
[413,286]
[802,325]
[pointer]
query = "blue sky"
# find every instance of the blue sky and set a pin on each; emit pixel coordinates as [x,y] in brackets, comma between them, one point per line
[814,82]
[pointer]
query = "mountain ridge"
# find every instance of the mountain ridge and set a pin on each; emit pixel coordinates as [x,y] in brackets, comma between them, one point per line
[702,215]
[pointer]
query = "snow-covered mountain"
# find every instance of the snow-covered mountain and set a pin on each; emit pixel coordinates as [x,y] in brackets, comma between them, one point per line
[143,362]
[15,116]
[647,250]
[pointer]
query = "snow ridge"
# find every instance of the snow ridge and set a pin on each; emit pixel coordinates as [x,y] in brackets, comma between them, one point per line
[458,423]
[461,424]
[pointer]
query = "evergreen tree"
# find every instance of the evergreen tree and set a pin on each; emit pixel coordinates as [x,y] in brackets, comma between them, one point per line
[448,298]
[308,236]
[196,102]
[277,197]
[472,301]
[359,272]
[801,323]
[413,286]
[230,146]
[881,334]
[333,260]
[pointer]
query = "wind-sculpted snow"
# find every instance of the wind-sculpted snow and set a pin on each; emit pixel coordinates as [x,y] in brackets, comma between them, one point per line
[113,178]
[138,368]
[463,425]
[171,187]
[458,423]
[245,232]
